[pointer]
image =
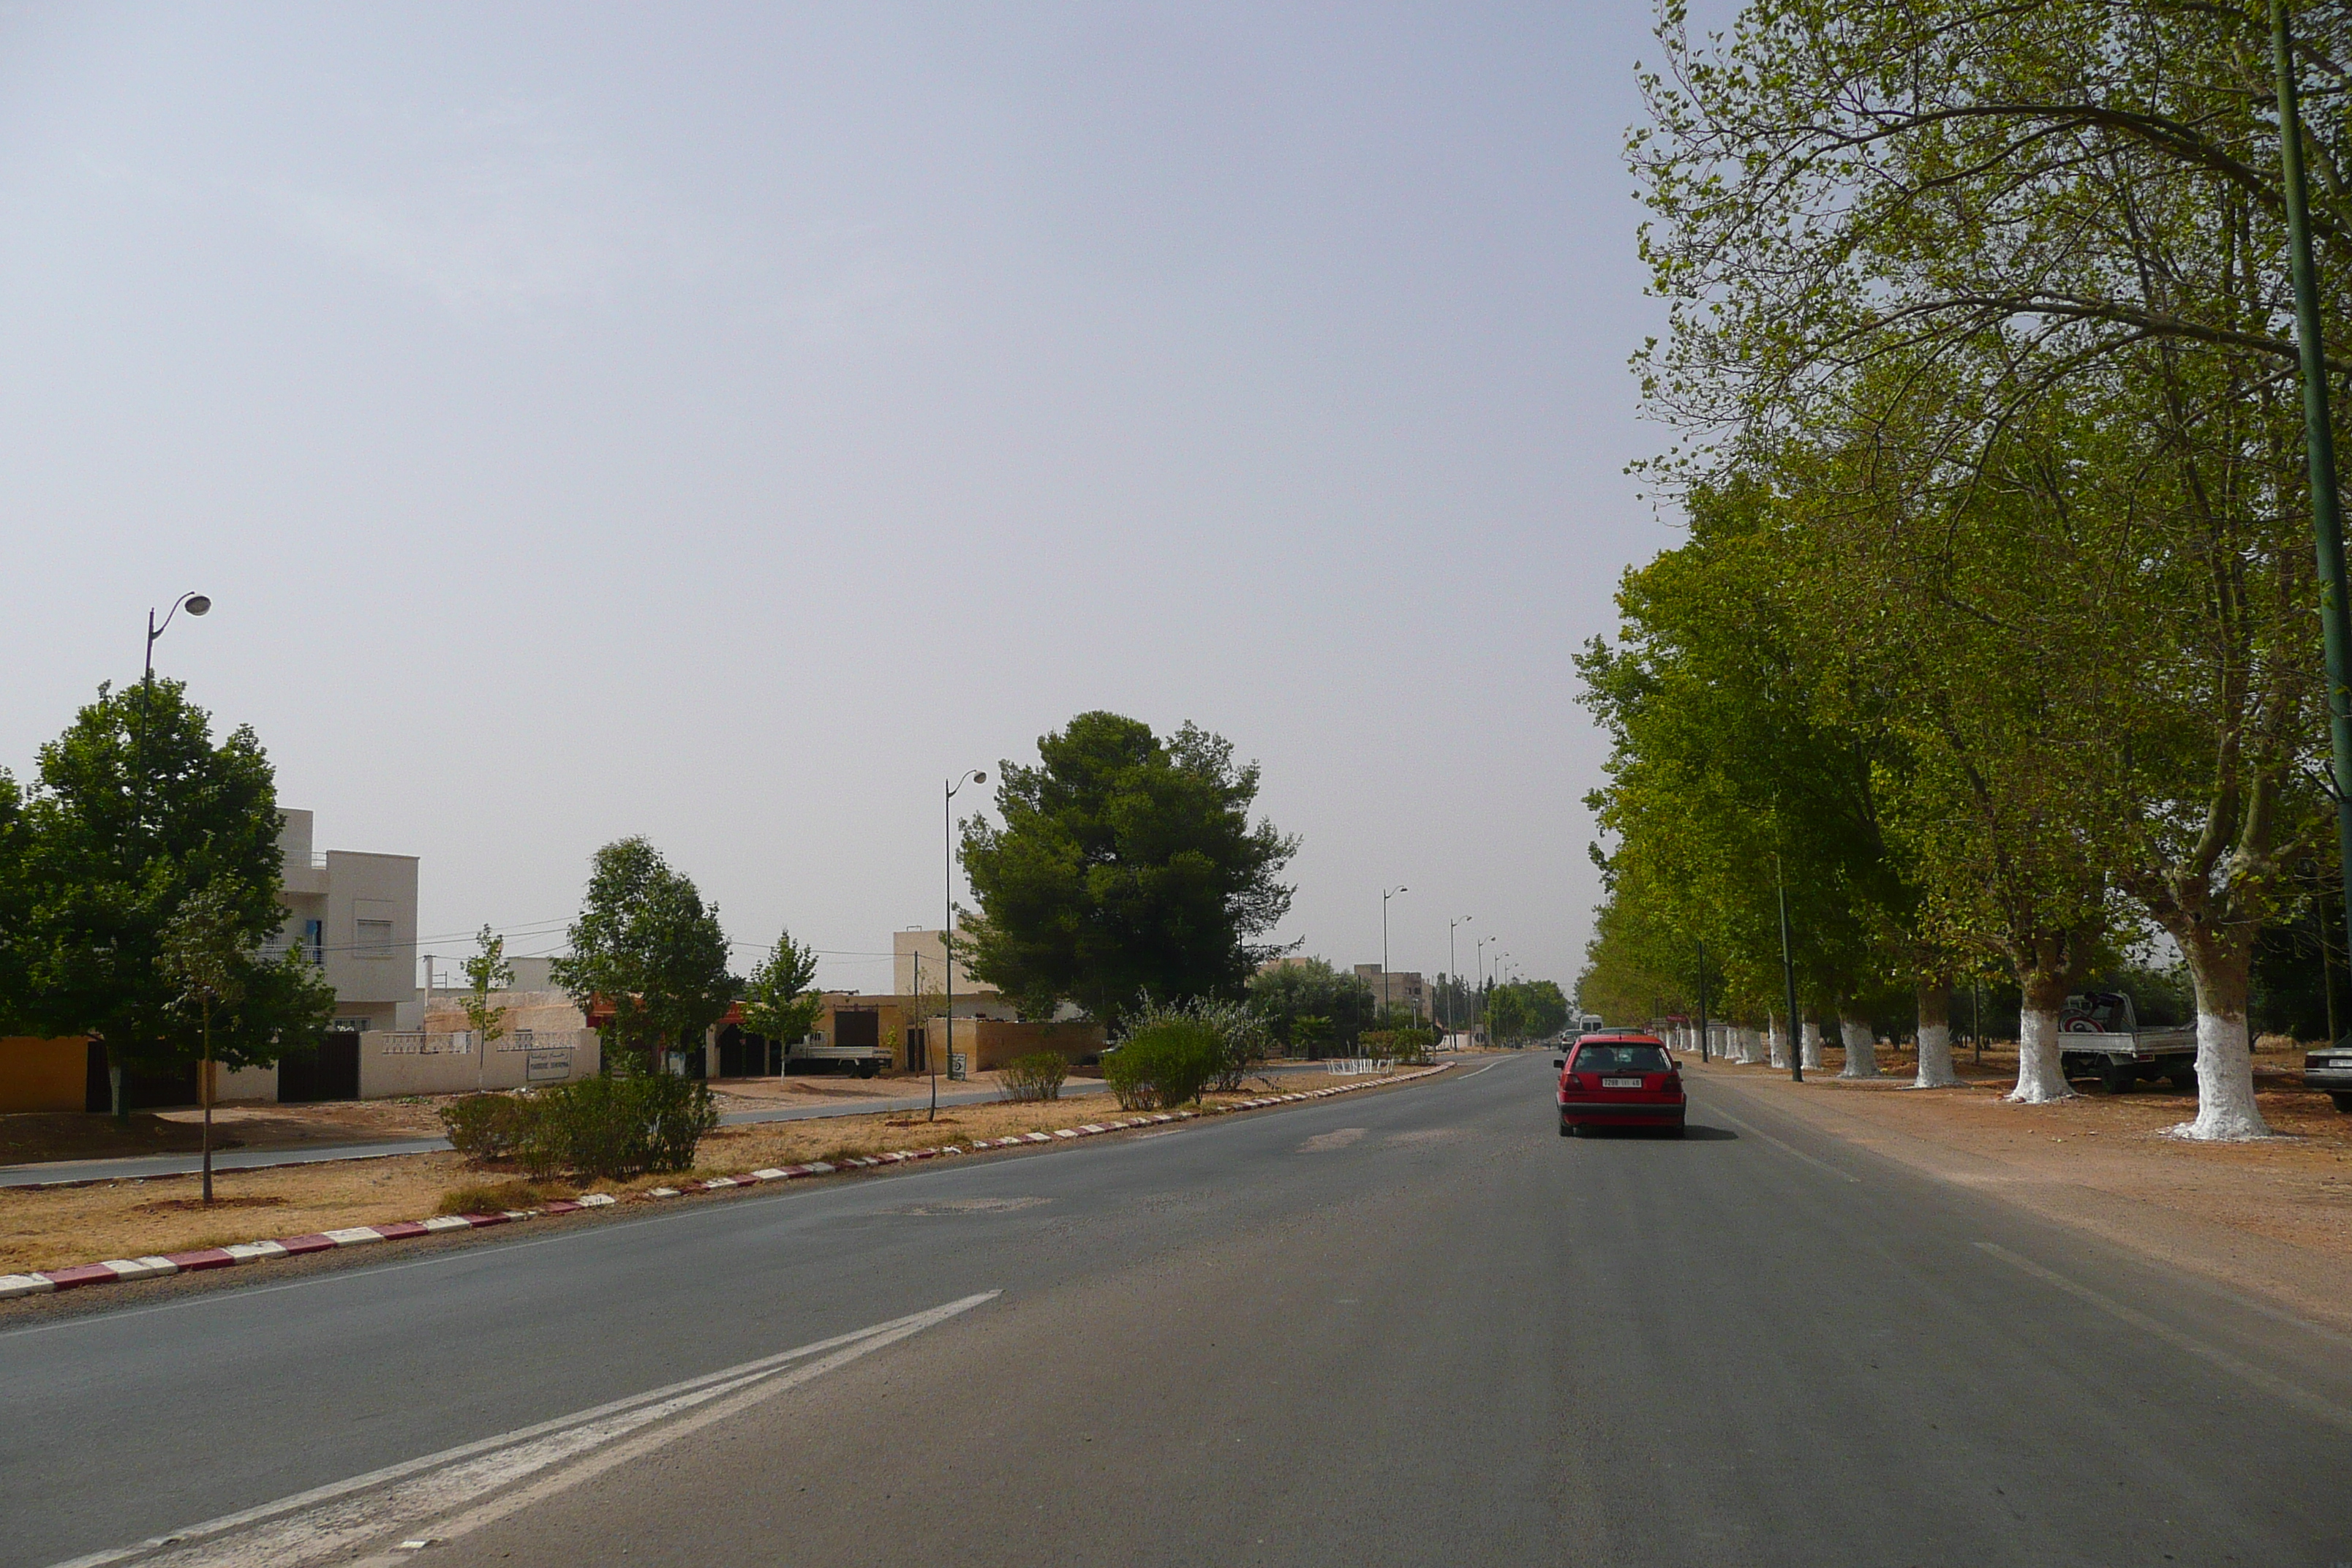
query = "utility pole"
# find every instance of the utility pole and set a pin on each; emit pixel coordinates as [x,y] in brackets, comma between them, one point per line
[2319,440]
[1702,1000]
[947,932]
[1788,977]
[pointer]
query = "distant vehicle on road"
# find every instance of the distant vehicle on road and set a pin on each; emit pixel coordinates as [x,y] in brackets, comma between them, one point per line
[1583,1023]
[1618,1078]
[2100,1036]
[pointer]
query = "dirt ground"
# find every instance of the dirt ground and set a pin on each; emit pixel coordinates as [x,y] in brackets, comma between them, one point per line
[2274,1215]
[60,1226]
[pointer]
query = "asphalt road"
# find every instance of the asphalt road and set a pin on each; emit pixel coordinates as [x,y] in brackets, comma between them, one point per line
[1408,1327]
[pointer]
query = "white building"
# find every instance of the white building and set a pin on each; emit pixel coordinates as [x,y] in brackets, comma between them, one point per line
[354,913]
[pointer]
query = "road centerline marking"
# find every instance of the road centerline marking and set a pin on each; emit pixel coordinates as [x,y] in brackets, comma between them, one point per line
[326,1519]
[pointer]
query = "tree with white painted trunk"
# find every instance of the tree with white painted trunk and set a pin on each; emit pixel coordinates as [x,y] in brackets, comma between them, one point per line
[1861,1047]
[1936,1070]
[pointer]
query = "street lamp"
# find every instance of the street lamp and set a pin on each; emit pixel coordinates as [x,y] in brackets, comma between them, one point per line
[1386,1004]
[1454,977]
[195,604]
[1480,947]
[947,933]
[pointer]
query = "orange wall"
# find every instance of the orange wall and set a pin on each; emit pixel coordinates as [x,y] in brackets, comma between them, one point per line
[44,1075]
[999,1041]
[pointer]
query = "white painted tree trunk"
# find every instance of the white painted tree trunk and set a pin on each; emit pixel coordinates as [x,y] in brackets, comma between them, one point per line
[2040,1078]
[1812,1044]
[2226,1112]
[1758,1053]
[1936,1070]
[1861,1048]
[1779,1042]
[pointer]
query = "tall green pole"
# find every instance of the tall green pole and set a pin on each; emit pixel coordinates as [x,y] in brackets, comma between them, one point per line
[2319,437]
[1789,979]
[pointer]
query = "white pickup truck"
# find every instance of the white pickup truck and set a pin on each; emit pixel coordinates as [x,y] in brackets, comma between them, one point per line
[2099,1037]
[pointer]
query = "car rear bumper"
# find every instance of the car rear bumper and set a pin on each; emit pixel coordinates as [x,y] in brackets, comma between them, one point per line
[1624,1110]
[2335,1080]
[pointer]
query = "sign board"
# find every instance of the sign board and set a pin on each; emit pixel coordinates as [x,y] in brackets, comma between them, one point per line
[547,1066]
[958,1065]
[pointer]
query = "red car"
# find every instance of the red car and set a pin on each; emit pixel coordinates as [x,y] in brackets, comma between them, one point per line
[1619,1080]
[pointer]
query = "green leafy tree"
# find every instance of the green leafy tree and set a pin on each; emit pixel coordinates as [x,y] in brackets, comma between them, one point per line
[779,1000]
[136,810]
[1126,865]
[1309,1005]
[647,947]
[485,971]
[203,953]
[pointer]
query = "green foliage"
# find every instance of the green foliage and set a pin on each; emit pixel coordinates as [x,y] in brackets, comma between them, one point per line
[1126,865]
[17,936]
[619,1127]
[1164,1063]
[487,971]
[135,812]
[1408,1045]
[489,1126]
[1526,1010]
[779,1002]
[1289,994]
[1037,1076]
[646,946]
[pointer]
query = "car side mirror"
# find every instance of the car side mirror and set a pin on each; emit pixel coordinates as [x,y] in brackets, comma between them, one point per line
[1561,1062]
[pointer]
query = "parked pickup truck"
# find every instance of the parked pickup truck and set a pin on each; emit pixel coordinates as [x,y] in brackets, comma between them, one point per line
[811,1054]
[2099,1037]
[2330,1068]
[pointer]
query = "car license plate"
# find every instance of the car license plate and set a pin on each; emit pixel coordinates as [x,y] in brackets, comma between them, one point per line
[1621,1083]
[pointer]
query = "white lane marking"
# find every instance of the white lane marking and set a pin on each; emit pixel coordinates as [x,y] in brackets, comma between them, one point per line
[2277,1387]
[1466,1077]
[1784,1148]
[327,1519]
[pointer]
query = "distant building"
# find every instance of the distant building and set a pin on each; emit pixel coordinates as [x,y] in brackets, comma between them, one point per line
[1395,988]
[918,963]
[354,914]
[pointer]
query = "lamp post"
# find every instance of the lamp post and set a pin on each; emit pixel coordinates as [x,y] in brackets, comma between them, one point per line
[947,932]
[1480,951]
[1453,973]
[1386,894]
[195,604]
[1789,976]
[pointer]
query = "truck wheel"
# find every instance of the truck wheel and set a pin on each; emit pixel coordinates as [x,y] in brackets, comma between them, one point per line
[2183,1078]
[866,1070]
[2343,1102]
[2116,1078]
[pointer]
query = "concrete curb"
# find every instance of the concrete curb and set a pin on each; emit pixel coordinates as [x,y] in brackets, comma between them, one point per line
[47,1280]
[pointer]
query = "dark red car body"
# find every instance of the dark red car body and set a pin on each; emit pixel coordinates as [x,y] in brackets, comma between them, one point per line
[1619,1078]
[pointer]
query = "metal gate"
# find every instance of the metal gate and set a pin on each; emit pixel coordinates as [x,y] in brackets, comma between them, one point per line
[330,1072]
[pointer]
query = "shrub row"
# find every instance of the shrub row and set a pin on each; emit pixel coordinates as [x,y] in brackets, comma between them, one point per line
[1163,1063]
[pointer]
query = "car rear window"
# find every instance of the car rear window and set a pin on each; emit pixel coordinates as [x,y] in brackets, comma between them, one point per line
[1620,1059]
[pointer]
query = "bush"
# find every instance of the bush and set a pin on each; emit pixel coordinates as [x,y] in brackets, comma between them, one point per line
[489,1126]
[497,1197]
[1409,1047]
[1037,1076]
[1163,1063]
[620,1126]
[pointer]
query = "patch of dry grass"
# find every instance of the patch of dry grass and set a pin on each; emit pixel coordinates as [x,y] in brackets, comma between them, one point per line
[57,1228]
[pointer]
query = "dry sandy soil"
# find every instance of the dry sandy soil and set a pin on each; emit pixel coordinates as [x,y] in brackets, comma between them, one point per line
[2273,1216]
[56,1227]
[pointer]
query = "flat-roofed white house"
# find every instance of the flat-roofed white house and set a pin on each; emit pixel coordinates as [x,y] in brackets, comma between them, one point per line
[354,913]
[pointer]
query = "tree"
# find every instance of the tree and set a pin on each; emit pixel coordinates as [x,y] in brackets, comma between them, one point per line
[485,971]
[1127,866]
[779,1000]
[646,946]
[136,810]
[16,908]
[1308,1005]
[203,952]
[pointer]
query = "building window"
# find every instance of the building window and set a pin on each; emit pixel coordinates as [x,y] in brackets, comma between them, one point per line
[374,939]
[314,941]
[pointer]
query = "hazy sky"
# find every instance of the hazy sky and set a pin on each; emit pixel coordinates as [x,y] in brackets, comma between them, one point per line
[724,423]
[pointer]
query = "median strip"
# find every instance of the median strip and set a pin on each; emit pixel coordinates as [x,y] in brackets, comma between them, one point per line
[48,1281]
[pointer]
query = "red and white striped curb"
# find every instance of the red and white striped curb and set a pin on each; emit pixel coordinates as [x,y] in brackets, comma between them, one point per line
[46,1281]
